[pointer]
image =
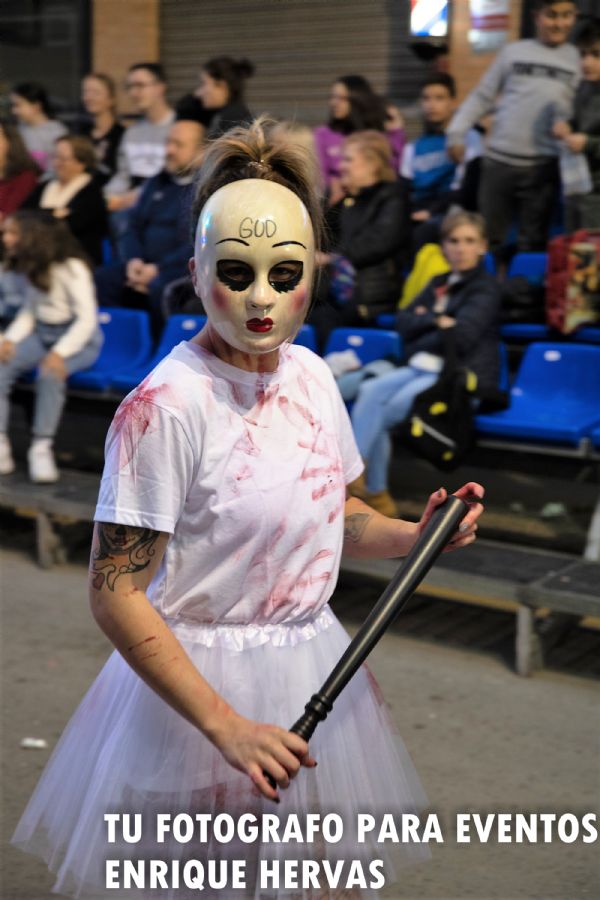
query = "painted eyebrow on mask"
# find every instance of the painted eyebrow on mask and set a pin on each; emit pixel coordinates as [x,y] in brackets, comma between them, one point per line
[237,240]
[284,243]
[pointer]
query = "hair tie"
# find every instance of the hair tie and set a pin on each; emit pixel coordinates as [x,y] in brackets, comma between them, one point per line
[260,164]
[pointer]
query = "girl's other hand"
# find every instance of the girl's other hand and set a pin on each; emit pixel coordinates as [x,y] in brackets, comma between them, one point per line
[472,493]
[54,364]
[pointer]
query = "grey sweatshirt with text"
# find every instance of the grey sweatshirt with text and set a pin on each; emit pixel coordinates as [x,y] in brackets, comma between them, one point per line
[528,87]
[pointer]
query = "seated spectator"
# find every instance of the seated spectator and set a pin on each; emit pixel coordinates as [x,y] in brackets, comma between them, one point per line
[141,152]
[31,108]
[73,195]
[221,91]
[433,178]
[56,329]
[156,247]
[466,299]
[582,133]
[363,270]
[353,106]
[99,97]
[18,170]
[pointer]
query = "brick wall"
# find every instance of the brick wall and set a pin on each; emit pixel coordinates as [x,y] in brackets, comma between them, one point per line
[124,33]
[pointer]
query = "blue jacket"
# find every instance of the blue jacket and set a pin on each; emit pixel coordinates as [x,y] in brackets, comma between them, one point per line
[158,229]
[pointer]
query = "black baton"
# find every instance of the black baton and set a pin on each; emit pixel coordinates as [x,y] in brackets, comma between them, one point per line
[443,523]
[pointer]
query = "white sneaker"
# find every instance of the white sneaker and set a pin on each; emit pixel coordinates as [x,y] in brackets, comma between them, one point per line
[7,463]
[42,468]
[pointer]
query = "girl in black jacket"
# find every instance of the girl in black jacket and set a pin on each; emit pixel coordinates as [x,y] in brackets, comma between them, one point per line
[467,299]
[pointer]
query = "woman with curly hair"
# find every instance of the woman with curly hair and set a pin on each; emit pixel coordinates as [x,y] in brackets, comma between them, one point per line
[18,170]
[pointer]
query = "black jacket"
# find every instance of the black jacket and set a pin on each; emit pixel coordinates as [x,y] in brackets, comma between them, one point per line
[227,117]
[372,234]
[87,219]
[474,302]
[586,119]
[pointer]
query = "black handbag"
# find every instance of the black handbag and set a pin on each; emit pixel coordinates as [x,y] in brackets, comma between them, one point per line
[440,426]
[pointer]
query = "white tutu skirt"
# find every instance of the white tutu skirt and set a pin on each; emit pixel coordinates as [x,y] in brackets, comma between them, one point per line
[125,751]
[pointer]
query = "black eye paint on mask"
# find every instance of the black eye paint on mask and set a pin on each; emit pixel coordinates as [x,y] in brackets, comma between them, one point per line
[285,276]
[234,274]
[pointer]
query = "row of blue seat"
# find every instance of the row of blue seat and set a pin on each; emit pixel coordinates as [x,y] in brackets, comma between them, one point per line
[128,353]
[555,397]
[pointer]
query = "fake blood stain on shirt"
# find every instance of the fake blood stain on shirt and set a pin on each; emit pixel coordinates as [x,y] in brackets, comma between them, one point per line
[136,416]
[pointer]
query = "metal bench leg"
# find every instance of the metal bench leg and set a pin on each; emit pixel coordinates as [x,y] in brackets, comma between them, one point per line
[528,647]
[592,547]
[49,545]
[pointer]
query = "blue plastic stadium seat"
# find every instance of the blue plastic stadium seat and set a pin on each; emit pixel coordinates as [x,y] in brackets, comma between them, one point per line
[127,344]
[489,263]
[180,327]
[555,397]
[524,331]
[531,266]
[367,343]
[588,335]
[307,337]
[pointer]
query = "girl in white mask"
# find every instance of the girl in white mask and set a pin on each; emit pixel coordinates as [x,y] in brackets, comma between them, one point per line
[220,524]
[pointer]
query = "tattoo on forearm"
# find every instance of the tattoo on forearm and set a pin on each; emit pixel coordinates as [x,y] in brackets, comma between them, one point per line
[355,525]
[122,550]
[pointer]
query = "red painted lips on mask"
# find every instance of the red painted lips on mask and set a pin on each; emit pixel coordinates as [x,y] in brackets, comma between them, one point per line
[259,325]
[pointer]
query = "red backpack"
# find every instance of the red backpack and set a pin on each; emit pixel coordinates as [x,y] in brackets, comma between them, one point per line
[573,282]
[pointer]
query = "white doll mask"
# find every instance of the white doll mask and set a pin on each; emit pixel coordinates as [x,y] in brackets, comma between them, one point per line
[254,259]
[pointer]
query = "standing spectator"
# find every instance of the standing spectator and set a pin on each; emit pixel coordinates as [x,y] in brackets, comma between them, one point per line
[57,330]
[99,97]
[371,233]
[141,152]
[432,176]
[530,85]
[156,247]
[221,91]
[467,300]
[353,106]
[74,195]
[31,107]
[18,170]
[582,133]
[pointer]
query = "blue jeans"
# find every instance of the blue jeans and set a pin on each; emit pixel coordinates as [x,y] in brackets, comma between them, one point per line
[382,403]
[49,391]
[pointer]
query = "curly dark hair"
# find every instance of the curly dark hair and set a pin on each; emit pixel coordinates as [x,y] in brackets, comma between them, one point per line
[258,151]
[233,72]
[43,241]
[18,159]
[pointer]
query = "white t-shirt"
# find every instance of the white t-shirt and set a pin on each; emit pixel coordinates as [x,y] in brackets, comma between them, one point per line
[247,472]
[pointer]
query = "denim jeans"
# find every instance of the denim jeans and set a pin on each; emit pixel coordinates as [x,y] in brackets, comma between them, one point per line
[49,391]
[383,403]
